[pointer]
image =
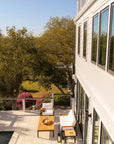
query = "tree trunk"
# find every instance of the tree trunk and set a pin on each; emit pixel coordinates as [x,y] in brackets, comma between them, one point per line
[60,89]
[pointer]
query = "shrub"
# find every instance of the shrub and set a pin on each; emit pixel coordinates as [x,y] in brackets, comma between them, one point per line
[39,101]
[61,100]
[27,102]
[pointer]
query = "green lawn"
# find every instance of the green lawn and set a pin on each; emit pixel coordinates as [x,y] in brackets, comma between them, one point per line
[36,90]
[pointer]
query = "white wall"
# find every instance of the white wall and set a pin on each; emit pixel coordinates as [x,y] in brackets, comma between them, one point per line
[97,83]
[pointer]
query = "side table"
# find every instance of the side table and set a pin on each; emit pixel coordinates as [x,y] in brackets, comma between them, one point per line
[70,133]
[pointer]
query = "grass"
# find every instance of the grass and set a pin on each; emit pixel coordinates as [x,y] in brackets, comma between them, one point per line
[37,90]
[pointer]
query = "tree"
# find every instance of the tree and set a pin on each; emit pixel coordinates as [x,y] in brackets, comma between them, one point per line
[57,46]
[14,59]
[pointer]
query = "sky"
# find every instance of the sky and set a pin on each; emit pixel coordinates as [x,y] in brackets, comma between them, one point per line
[33,14]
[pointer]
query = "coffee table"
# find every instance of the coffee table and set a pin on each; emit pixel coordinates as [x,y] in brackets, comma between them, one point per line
[43,127]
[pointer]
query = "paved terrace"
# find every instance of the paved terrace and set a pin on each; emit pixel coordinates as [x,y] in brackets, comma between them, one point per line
[25,123]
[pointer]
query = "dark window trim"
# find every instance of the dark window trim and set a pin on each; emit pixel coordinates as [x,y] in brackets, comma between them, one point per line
[99,65]
[78,39]
[102,126]
[93,125]
[92,40]
[85,57]
[110,26]
[97,59]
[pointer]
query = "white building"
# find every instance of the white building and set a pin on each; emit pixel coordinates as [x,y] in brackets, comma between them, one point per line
[94,73]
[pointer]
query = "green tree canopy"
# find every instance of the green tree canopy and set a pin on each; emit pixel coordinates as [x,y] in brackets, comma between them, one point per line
[57,49]
[14,59]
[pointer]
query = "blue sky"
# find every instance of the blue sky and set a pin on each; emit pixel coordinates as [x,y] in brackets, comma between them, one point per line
[33,14]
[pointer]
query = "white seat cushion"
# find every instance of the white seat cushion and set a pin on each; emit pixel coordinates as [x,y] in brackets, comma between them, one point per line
[71,117]
[48,106]
[47,112]
[67,120]
[64,119]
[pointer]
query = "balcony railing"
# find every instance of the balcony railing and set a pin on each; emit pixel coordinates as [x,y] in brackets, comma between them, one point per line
[33,103]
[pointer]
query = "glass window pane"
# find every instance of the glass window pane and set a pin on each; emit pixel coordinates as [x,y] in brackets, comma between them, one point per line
[105,139]
[86,122]
[79,40]
[95,38]
[83,93]
[85,39]
[103,37]
[111,59]
[95,128]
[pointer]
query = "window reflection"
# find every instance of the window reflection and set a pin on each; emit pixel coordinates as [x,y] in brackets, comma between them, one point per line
[86,121]
[105,139]
[85,39]
[111,59]
[81,109]
[95,38]
[103,37]
[95,128]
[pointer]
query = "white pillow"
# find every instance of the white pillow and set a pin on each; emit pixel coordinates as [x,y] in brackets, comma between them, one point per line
[70,113]
[71,117]
[48,105]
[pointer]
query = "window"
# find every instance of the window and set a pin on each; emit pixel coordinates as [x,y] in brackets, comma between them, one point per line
[111,55]
[80,106]
[96,122]
[103,37]
[79,40]
[95,38]
[86,120]
[105,138]
[85,40]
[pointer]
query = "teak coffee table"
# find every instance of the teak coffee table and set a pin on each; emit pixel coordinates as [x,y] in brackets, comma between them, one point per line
[43,127]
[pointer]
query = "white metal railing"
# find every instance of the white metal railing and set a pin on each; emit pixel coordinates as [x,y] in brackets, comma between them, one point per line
[23,101]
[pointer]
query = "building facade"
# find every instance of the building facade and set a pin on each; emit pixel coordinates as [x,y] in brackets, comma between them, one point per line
[94,70]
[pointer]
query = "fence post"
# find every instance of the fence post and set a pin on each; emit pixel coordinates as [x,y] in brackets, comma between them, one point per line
[23,102]
[53,97]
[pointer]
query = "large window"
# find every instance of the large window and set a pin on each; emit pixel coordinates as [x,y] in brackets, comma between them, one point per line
[103,37]
[86,120]
[96,122]
[79,40]
[85,40]
[81,97]
[105,138]
[111,55]
[95,38]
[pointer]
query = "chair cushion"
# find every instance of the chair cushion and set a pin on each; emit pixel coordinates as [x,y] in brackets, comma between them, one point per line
[48,106]
[70,113]
[71,118]
[63,119]
[47,112]
[68,120]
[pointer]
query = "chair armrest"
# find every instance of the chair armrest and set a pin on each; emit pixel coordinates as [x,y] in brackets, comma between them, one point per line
[63,113]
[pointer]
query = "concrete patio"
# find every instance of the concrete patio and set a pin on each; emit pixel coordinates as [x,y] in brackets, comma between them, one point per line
[25,123]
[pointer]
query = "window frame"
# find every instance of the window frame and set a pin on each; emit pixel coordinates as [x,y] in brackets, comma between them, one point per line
[85,57]
[110,28]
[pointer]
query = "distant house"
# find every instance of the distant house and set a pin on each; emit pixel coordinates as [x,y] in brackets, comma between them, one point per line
[94,70]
